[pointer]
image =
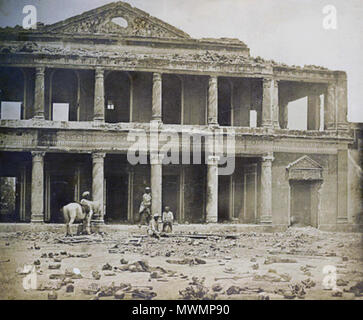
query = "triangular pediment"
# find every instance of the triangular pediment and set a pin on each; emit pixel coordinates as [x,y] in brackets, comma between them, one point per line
[117,18]
[304,162]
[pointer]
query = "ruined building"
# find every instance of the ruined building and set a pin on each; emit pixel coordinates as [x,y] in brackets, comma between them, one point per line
[72,91]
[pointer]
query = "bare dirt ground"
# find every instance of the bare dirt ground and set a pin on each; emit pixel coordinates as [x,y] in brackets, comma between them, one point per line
[289,265]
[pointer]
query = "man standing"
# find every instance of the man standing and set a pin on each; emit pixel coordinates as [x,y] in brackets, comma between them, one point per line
[145,206]
[168,219]
[86,207]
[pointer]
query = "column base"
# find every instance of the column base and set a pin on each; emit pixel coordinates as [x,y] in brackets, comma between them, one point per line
[156,122]
[330,127]
[213,125]
[37,219]
[39,117]
[342,126]
[276,125]
[99,120]
[267,124]
[342,220]
[211,220]
[343,130]
[266,220]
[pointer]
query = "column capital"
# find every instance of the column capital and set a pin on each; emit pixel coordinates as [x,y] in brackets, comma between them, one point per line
[331,85]
[268,157]
[267,82]
[213,79]
[39,70]
[99,72]
[341,75]
[157,76]
[213,160]
[98,155]
[38,155]
[156,158]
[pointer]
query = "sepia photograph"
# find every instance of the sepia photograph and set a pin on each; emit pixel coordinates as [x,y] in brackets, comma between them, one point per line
[181,151]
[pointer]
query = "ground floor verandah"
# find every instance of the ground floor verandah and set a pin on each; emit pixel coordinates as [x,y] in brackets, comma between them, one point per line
[36,185]
[41,183]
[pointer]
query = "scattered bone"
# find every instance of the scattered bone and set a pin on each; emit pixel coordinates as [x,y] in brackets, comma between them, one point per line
[270,260]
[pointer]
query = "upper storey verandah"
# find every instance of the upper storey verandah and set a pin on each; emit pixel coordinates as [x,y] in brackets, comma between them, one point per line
[118,64]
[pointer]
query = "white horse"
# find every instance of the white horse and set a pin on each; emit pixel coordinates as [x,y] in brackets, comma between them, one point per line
[74,212]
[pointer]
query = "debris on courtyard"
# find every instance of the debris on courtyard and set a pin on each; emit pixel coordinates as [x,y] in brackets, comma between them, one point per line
[249,265]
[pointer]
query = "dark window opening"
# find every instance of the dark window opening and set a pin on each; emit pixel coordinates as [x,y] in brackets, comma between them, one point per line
[224,102]
[9,195]
[11,93]
[171,99]
[195,93]
[117,93]
[64,96]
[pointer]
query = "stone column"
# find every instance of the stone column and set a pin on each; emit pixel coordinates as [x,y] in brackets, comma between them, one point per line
[156,182]
[275,104]
[330,108]
[98,183]
[342,103]
[99,98]
[342,215]
[130,198]
[284,114]
[37,193]
[266,189]
[213,101]
[313,112]
[39,93]
[212,189]
[268,104]
[157,98]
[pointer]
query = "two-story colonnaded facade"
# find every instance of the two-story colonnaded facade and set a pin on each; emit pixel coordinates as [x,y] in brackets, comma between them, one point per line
[71,92]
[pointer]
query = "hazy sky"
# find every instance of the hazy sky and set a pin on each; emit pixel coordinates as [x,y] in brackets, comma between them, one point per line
[289,31]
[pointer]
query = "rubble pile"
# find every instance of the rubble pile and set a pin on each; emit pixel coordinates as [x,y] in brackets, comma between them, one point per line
[197,291]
